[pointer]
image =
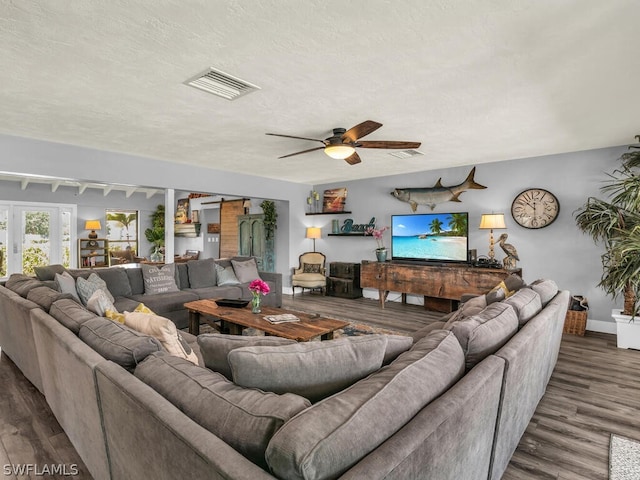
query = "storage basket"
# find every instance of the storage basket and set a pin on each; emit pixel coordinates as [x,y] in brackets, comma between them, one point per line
[575,322]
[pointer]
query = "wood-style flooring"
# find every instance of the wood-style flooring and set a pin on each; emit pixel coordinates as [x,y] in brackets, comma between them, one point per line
[594,391]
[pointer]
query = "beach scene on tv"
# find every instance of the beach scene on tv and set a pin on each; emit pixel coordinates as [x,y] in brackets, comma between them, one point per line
[430,236]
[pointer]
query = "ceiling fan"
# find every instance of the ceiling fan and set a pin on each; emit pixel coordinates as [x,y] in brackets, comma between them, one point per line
[343,143]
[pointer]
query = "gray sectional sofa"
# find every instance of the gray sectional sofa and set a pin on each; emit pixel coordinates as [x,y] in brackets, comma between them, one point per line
[452,406]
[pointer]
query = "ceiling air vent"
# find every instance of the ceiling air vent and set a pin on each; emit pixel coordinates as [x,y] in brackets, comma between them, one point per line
[221,84]
[406,153]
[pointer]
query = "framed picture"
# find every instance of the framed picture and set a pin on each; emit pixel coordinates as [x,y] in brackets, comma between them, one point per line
[213,228]
[334,200]
[182,211]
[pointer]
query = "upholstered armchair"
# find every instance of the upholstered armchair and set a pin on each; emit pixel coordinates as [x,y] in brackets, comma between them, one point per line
[310,273]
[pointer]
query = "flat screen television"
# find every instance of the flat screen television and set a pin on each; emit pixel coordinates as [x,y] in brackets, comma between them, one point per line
[430,237]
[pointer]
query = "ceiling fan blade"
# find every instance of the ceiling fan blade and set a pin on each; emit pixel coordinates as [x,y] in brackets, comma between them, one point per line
[388,144]
[353,159]
[299,138]
[361,130]
[303,151]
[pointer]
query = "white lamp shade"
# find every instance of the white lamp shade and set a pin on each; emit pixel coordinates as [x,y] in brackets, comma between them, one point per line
[492,220]
[339,151]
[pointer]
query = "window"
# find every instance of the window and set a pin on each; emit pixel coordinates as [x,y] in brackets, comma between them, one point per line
[122,230]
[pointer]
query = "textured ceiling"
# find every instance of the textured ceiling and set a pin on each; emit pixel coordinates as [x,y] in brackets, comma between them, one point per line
[475,81]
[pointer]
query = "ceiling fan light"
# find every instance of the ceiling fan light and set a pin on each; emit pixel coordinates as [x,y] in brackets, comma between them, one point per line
[339,152]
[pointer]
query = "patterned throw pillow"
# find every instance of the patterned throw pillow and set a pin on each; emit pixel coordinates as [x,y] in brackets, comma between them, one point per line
[159,279]
[311,268]
[226,276]
[88,287]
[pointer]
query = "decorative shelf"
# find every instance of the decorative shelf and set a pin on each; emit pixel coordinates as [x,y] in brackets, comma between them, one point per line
[356,234]
[328,213]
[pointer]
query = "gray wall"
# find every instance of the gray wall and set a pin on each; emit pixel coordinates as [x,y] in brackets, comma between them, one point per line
[559,251]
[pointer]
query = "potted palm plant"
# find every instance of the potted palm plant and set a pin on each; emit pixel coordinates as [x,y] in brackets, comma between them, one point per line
[616,223]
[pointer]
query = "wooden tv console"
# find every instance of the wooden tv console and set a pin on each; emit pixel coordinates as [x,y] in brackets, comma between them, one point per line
[441,285]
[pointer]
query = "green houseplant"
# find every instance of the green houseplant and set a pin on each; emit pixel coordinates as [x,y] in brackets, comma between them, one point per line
[155,234]
[616,223]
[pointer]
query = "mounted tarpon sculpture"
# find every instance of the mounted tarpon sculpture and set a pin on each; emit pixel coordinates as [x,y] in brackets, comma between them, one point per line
[436,194]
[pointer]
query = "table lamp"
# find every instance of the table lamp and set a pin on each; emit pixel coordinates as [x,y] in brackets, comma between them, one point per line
[92,225]
[314,232]
[489,221]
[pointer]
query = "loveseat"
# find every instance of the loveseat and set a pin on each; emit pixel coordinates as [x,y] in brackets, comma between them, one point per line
[452,406]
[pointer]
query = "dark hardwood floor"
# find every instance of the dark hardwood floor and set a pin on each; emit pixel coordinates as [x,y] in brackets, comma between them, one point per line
[594,392]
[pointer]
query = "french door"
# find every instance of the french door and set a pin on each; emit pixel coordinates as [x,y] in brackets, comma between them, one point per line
[35,234]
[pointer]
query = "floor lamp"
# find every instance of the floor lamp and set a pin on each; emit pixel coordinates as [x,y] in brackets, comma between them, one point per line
[489,221]
[314,232]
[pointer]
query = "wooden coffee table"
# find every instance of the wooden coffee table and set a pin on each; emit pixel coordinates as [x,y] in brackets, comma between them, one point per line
[237,319]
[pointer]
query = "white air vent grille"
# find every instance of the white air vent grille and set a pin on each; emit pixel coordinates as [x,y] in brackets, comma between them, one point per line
[222,84]
[406,153]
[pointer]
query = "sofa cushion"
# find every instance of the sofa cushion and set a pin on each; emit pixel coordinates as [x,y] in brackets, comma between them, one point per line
[159,279]
[21,284]
[182,276]
[86,287]
[229,291]
[166,302]
[396,344]
[135,280]
[216,346]
[117,342]
[67,284]
[116,280]
[483,334]
[246,271]
[313,370]
[244,418]
[163,329]
[48,272]
[45,296]
[99,303]
[202,273]
[547,289]
[70,313]
[526,303]
[469,308]
[226,276]
[327,439]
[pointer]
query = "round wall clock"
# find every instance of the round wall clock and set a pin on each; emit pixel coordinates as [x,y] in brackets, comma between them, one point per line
[535,208]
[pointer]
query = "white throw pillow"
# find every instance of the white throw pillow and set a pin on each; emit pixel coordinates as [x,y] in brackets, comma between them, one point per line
[164,330]
[67,284]
[99,303]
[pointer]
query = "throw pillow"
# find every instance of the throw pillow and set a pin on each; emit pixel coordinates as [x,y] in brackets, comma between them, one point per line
[226,276]
[99,303]
[216,346]
[311,268]
[67,284]
[314,370]
[113,314]
[87,287]
[245,271]
[159,279]
[497,293]
[163,329]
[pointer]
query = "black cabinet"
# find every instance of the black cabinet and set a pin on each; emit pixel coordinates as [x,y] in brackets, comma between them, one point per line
[344,280]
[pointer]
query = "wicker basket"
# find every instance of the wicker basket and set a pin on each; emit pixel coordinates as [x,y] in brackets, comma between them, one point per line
[575,322]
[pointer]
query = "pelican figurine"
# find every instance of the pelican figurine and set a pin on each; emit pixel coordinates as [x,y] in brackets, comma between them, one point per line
[512,254]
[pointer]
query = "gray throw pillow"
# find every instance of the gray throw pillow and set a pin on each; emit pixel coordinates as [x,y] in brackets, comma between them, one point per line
[483,334]
[244,418]
[67,284]
[246,271]
[87,287]
[226,276]
[327,439]
[202,273]
[117,342]
[159,279]
[314,370]
[215,347]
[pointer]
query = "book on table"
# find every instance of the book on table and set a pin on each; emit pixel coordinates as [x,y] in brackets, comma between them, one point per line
[282,318]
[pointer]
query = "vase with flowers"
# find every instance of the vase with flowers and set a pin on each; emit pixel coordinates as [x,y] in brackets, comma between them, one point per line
[258,288]
[378,235]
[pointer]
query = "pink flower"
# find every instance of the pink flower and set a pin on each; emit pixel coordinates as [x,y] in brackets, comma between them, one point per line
[259,287]
[378,234]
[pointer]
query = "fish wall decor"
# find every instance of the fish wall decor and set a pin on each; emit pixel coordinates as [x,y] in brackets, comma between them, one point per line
[431,196]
